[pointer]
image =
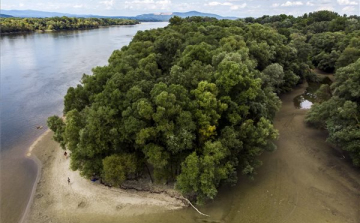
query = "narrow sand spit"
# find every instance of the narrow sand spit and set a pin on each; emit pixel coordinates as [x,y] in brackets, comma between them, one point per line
[57,201]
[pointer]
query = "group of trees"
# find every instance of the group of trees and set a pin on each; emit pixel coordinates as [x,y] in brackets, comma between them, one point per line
[335,47]
[338,110]
[192,102]
[327,32]
[13,25]
[310,23]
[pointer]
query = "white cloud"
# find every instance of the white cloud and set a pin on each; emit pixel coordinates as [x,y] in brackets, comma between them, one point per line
[309,4]
[325,2]
[219,3]
[288,3]
[275,5]
[347,2]
[214,3]
[148,4]
[236,7]
[108,4]
[232,5]
[326,7]
[348,9]
[78,6]
[21,5]
[184,6]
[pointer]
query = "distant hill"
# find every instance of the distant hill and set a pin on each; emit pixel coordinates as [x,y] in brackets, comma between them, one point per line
[5,16]
[195,13]
[167,16]
[37,14]
[143,17]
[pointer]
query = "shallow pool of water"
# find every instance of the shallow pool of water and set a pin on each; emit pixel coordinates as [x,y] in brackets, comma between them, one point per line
[306,99]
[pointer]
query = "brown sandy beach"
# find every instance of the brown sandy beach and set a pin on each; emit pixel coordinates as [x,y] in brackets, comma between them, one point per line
[82,200]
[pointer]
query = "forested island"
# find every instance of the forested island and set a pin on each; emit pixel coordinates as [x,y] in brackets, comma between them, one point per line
[23,25]
[194,102]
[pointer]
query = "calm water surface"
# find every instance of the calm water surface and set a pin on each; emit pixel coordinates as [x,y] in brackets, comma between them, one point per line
[306,100]
[36,71]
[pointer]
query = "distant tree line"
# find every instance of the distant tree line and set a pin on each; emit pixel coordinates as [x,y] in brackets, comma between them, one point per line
[328,34]
[194,102]
[13,25]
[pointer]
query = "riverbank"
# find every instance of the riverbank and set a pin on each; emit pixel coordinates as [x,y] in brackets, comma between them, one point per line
[60,30]
[14,25]
[83,200]
[304,180]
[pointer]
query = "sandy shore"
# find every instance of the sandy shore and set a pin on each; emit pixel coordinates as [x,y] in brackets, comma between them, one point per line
[54,200]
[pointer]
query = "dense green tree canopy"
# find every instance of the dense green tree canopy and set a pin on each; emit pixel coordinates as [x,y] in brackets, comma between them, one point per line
[340,114]
[194,101]
[190,100]
[323,37]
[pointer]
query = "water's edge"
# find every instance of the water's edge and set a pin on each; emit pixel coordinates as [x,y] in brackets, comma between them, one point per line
[34,84]
[38,175]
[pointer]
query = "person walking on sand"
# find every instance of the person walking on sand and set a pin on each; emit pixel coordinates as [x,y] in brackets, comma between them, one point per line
[65,154]
[68,180]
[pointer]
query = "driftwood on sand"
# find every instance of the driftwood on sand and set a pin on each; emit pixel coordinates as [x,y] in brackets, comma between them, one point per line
[165,192]
[196,208]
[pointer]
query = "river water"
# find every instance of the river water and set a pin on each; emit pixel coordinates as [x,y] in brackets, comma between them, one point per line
[304,180]
[36,71]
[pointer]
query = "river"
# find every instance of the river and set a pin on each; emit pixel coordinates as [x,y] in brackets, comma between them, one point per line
[36,71]
[304,180]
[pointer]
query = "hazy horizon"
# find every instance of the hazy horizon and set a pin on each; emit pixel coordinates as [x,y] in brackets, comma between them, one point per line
[237,8]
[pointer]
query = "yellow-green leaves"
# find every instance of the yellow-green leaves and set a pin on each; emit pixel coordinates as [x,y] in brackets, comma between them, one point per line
[117,168]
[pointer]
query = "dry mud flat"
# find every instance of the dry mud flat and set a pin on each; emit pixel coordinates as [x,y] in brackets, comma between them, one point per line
[304,180]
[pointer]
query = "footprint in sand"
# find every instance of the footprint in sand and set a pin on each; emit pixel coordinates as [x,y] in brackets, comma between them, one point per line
[38,196]
[82,204]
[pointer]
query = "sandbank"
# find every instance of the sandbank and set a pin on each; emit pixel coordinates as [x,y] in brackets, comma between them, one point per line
[54,200]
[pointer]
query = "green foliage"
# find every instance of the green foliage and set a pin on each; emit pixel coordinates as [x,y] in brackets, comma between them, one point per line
[76,98]
[319,37]
[329,42]
[323,15]
[273,76]
[323,93]
[350,54]
[340,114]
[119,167]
[13,25]
[56,124]
[326,49]
[195,101]
[203,174]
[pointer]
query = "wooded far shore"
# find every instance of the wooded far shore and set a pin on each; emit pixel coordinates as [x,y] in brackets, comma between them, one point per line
[26,25]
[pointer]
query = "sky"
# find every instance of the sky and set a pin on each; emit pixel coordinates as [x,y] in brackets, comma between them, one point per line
[238,8]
